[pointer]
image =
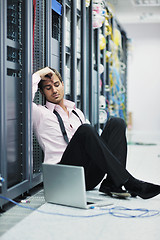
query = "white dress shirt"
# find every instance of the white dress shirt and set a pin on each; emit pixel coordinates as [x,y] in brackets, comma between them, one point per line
[46,125]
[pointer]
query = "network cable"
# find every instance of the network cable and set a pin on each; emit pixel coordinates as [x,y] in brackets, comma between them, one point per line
[119,211]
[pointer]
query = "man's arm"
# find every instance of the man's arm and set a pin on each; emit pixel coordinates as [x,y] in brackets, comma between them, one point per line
[37,77]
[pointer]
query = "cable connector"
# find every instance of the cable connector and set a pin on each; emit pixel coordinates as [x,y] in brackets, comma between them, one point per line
[1,179]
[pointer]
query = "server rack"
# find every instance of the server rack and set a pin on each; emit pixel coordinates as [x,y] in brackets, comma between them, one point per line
[2,119]
[14,107]
[124,74]
[47,41]
[55,23]
[118,72]
[80,86]
[104,109]
[114,78]
[70,61]
[39,57]
[83,57]
[90,60]
[92,70]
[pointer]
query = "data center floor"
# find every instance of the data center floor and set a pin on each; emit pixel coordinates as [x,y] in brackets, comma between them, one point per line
[93,224]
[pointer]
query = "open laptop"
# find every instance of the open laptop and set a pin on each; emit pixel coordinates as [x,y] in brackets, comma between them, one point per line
[65,185]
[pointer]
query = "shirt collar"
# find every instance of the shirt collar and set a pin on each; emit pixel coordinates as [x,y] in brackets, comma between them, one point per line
[69,104]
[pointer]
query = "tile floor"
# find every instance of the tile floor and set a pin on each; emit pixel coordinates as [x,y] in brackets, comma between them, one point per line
[98,224]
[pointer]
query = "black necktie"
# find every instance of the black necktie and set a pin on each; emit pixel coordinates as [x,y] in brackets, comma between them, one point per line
[63,130]
[62,126]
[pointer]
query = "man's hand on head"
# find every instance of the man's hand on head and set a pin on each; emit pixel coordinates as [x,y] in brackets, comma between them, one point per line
[45,73]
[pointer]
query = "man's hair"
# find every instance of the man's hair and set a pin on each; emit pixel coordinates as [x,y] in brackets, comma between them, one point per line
[40,84]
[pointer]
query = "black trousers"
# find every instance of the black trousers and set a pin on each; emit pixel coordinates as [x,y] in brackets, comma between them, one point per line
[99,155]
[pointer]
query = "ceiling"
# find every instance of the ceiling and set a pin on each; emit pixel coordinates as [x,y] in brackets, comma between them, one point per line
[135,11]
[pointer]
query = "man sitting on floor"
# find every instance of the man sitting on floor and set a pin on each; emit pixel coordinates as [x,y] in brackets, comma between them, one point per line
[66,138]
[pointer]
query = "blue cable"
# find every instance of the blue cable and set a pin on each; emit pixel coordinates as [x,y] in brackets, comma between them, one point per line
[50,213]
[115,211]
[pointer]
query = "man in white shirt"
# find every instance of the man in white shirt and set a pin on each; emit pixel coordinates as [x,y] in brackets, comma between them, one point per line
[65,138]
[45,123]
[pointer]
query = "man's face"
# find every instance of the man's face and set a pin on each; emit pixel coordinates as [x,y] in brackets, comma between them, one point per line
[53,89]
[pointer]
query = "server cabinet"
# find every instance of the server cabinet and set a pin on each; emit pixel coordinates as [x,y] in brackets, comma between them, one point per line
[1,96]
[118,71]
[14,102]
[39,60]
[105,53]
[71,50]
[80,77]
[124,60]
[46,52]
[56,30]
[92,72]
[113,57]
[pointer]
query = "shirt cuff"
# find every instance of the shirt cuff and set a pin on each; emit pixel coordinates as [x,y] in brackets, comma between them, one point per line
[35,80]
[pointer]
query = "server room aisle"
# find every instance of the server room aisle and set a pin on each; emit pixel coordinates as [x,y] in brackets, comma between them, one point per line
[129,219]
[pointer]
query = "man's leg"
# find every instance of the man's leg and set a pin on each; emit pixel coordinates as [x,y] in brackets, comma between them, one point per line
[114,136]
[89,150]
[76,155]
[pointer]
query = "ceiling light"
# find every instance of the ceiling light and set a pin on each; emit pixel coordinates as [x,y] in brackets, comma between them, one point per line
[146,3]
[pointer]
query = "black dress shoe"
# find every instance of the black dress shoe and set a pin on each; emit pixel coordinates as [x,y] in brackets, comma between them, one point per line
[113,191]
[142,189]
[134,195]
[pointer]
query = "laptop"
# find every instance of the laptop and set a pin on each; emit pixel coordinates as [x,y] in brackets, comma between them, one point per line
[65,185]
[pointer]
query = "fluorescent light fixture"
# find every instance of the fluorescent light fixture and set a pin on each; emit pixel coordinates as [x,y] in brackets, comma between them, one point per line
[146,3]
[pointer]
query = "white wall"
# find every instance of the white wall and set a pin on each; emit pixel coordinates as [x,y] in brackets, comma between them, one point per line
[144,76]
